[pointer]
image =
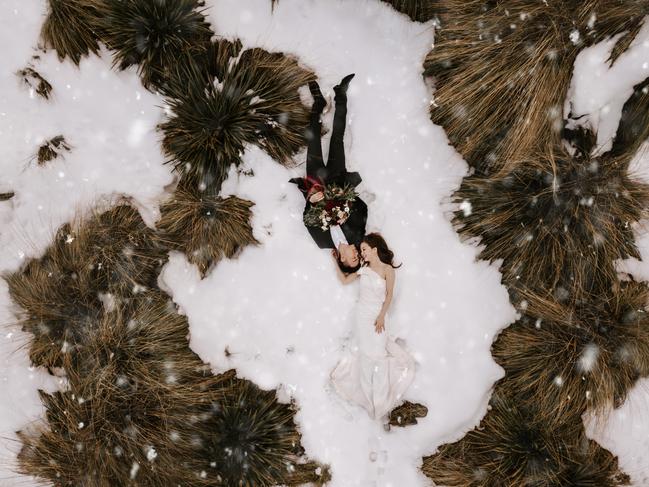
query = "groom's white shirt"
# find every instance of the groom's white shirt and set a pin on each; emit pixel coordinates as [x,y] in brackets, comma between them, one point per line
[337,235]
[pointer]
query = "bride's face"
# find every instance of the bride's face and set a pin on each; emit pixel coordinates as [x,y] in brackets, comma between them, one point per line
[367,252]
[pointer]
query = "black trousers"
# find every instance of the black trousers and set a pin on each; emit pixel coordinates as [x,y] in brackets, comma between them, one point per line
[315,166]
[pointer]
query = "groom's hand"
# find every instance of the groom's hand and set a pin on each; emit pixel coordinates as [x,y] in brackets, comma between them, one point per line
[315,197]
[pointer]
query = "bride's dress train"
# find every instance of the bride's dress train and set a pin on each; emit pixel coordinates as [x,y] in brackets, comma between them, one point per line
[377,370]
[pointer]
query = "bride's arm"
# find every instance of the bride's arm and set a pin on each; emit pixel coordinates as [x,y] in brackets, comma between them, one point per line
[344,278]
[389,288]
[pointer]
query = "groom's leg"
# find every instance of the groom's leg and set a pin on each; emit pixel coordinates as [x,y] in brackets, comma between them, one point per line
[336,161]
[314,162]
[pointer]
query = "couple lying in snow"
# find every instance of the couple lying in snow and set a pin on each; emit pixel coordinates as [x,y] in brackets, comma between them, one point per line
[377,370]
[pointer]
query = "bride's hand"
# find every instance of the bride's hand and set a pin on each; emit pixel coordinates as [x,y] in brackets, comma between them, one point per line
[379,326]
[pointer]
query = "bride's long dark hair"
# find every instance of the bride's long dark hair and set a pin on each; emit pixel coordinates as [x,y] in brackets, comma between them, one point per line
[376,241]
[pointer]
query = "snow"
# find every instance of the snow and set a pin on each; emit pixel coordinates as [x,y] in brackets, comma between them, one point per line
[598,90]
[278,308]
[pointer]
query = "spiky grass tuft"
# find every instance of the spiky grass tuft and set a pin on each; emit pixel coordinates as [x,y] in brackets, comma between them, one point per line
[206,228]
[558,221]
[512,448]
[71,28]
[633,129]
[487,54]
[91,265]
[134,407]
[52,149]
[154,35]
[34,81]
[566,359]
[255,100]
[417,10]
[255,440]
[140,407]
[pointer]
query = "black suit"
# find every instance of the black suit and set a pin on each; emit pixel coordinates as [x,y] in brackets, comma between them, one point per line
[334,172]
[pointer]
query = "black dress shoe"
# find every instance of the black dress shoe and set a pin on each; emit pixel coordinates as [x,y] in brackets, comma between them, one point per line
[341,89]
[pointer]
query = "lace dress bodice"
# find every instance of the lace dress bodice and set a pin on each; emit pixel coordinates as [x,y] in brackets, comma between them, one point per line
[372,288]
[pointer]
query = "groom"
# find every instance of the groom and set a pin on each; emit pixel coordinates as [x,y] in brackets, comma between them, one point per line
[345,238]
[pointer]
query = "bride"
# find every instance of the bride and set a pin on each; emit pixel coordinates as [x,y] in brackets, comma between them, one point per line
[378,370]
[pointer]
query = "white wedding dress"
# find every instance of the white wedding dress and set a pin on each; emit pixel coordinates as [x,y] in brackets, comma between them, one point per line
[377,370]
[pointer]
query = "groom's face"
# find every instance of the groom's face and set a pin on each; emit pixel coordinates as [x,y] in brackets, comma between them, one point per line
[348,255]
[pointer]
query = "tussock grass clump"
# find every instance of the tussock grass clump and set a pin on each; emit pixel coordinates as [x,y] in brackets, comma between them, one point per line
[254,100]
[558,220]
[34,81]
[255,440]
[511,448]
[502,70]
[566,359]
[206,228]
[155,35]
[633,128]
[7,196]
[133,410]
[52,149]
[92,264]
[417,10]
[142,409]
[71,28]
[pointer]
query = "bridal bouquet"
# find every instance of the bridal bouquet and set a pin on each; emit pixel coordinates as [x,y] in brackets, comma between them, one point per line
[333,208]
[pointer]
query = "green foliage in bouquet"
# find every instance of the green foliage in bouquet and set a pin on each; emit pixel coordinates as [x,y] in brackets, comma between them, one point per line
[333,209]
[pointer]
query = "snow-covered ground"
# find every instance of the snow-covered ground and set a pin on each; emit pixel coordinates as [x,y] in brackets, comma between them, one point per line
[278,307]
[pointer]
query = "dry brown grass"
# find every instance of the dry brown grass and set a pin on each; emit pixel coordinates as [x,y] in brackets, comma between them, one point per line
[206,228]
[511,448]
[71,28]
[502,71]
[567,359]
[633,129]
[52,149]
[92,263]
[154,35]
[558,221]
[417,10]
[142,409]
[34,81]
[255,100]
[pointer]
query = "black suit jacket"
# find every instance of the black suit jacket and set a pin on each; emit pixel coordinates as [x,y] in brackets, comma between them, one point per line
[354,226]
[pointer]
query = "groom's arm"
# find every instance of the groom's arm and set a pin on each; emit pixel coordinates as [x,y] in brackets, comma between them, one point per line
[344,278]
